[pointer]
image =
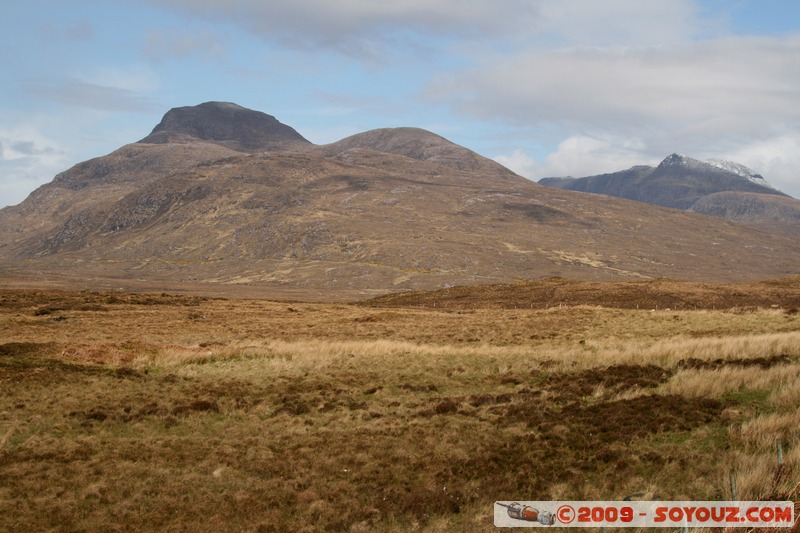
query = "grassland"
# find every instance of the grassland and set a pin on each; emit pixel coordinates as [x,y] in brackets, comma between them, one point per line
[145,412]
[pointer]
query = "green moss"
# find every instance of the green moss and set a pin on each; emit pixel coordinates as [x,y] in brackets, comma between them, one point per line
[753,398]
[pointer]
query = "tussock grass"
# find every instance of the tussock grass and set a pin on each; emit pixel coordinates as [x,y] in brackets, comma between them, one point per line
[786,397]
[763,431]
[671,350]
[726,380]
[249,416]
[323,352]
[755,459]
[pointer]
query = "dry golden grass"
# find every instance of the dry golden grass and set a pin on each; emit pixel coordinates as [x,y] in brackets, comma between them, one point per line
[786,397]
[152,412]
[755,460]
[726,380]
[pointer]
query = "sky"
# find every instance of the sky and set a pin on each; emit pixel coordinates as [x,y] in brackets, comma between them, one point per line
[546,87]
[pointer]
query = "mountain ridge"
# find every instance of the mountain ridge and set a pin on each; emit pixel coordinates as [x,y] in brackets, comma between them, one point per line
[390,209]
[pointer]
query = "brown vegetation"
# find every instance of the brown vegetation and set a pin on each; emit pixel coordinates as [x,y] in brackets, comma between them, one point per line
[163,412]
[658,294]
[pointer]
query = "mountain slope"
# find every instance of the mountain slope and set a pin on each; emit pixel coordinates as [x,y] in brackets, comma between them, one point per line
[771,212]
[388,209]
[56,212]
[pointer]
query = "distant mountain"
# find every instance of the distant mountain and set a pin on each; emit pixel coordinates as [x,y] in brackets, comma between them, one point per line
[226,197]
[680,182]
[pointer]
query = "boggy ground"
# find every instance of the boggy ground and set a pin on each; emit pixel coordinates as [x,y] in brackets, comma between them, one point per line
[159,412]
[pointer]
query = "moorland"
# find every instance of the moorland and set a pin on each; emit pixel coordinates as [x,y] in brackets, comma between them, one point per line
[154,411]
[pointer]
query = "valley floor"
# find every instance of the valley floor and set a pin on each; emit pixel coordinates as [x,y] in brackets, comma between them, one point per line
[124,411]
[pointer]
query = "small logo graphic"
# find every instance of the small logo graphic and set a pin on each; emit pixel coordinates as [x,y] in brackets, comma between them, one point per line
[565,514]
[645,514]
[517,511]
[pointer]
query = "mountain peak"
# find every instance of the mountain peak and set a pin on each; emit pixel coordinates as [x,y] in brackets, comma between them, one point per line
[422,145]
[677,159]
[716,165]
[224,123]
[222,105]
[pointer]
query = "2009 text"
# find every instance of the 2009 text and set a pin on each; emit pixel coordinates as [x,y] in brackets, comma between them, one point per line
[644,514]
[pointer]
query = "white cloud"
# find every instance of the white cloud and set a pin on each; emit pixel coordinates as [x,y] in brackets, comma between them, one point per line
[134,78]
[358,27]
[25,142]
[521,163]
[90,95]
[352,25]
[617,22]
[578,156]
[753,80]
[27,159]
[175,44]
[107,89]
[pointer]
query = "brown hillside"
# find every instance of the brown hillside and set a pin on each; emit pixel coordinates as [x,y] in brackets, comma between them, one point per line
[385,210]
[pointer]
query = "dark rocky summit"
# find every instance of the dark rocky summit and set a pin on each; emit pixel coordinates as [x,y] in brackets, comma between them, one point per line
[224,123]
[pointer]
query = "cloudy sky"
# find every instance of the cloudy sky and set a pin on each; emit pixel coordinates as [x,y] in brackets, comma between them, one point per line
[547,87]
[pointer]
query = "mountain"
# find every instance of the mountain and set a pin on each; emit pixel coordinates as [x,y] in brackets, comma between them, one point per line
[251,207]
[685,183]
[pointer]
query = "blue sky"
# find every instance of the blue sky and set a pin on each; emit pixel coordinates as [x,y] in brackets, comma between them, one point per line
[547,87]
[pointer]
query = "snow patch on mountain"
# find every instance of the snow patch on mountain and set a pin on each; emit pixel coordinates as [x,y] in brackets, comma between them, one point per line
[740,170]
